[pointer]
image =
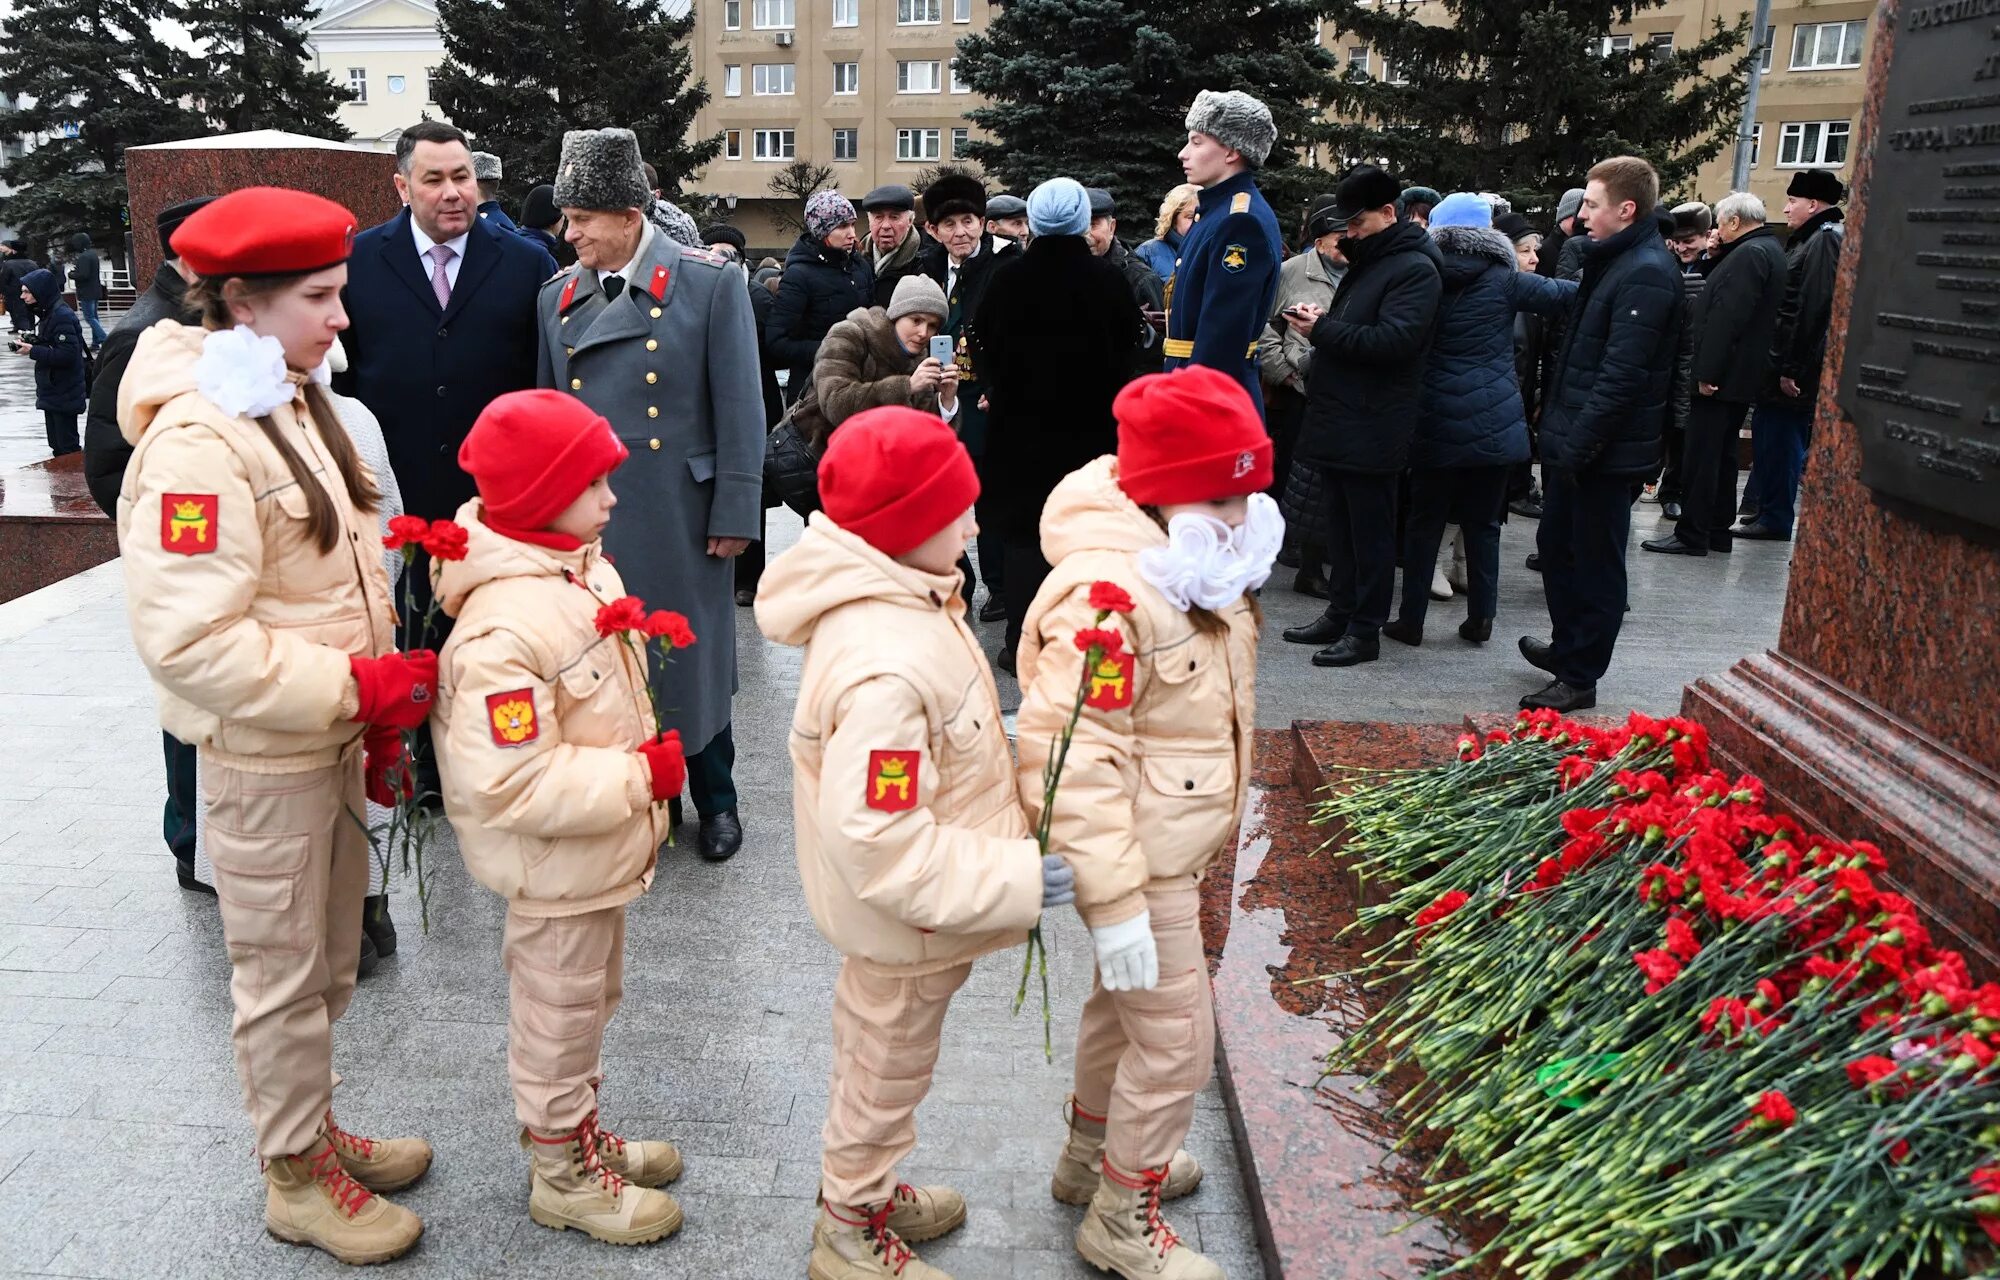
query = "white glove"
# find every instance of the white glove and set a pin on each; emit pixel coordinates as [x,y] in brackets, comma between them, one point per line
[1127,957]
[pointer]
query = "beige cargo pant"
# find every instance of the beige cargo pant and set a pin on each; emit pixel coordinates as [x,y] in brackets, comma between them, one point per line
[565,977]
[1142,1056]
[291,869]
[886,1037]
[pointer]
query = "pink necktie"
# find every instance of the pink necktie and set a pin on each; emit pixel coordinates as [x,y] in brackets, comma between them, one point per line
[440,282]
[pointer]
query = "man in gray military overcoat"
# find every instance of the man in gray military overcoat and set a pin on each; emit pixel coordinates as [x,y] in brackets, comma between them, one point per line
[658,338]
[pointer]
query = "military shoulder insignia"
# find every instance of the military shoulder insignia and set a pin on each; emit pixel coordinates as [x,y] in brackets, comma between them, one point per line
[1240,203]
[657,286]
[511,716]
[891,781]
[710,256]
[1234,257]
[569,291]
[1110,683]
[190,523]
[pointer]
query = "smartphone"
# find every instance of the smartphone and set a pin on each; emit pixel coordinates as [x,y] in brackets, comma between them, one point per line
[943,349]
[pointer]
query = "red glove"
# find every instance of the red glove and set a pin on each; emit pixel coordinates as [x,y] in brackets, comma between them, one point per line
[384,755]
[396,689]
[664,757]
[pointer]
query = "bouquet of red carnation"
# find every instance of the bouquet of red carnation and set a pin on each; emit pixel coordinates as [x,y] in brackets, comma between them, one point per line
[641,630]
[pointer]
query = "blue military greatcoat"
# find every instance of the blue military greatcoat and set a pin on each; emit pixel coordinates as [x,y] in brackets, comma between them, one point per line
[1226,284]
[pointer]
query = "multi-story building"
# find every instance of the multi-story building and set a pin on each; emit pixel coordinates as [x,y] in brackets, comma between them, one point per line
[865,87]
[1809,90]
[386,52]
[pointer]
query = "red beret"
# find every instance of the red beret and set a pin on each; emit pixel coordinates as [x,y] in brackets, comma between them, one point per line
[1192,435]
[894,476]
[265,231]
[533,452]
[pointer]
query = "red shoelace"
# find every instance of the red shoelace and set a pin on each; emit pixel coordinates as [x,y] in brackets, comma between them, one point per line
[339,1137]
[875,1226]
[1150,1181]
[344,1190]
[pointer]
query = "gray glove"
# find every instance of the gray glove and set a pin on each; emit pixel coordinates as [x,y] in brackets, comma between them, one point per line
[1058,882]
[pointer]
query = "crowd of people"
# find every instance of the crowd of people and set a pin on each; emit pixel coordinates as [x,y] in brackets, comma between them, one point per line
[1111,430]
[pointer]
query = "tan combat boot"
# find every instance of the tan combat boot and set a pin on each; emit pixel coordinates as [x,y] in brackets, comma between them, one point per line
[379,1164]
[570,1187]
[918,1214]
[310,1199]
[643,1164]
[857,1243]
[1123,1232]
[1076,1169]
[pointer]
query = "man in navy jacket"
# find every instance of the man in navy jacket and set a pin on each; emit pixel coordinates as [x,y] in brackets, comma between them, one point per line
[441,319]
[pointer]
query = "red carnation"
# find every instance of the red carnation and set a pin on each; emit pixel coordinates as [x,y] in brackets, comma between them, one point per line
[405,531]
[1681,942]
[1112,642]
[1109,597]
[445,540]
[1659,968]
[1772,1110]
[627,613]
[1442,908]
[673,626]
[1871,1070]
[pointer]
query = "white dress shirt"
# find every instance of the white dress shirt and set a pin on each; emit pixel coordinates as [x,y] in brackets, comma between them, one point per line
[638,255]
[425,244]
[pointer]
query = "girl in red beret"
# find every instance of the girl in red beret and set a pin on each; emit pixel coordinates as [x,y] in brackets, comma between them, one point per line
[554,773]
[259,605]
[913,849]
[1179,527]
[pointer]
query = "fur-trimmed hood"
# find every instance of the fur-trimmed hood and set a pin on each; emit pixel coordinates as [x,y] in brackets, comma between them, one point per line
[1467,251]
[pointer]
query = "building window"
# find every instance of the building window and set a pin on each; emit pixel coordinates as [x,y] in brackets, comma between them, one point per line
[732,144]
[1608,45]
[772,79]
[1661,46]
[732,81]
[846,13]
[1770,43]
[1357,60]
[1821,46]
[430,85]
[357,83]
[398,83]
[1813,144]
[847,144]
[918,144]
[776,144]
[732,15]
[958,84]
[961,10]
[959,137]
[911,13]
[774,15]
[847,77]
[1756,144]
[917,77]
[1393,72]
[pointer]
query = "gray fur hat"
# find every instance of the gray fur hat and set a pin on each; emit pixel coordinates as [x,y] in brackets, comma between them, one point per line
[601,169]
[1236,120]
[486,166]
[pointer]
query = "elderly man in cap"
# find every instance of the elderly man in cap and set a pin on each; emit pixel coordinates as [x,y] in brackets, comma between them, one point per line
[1007,217]
[1782,427]
[895,247]
[658,338]
[1228,277]
[487,169]
[1148,290]
[1549,261]
[105,454]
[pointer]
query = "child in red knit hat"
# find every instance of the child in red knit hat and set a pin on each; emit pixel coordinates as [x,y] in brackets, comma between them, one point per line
[553,776]
[914,852]
[1155,778]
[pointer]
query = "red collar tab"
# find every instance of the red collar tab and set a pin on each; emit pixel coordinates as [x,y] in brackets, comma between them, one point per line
[568,293]
[658,286]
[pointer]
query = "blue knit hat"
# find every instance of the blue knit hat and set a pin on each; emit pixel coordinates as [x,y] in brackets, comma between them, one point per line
[1059,207]
[1462,209]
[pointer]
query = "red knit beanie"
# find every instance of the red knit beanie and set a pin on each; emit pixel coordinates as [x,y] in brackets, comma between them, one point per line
[894,476]
[1192,435]
[533,452]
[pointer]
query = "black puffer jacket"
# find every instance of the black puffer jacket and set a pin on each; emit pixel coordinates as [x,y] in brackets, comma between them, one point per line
[1364,388]
[820,287]
[1607,404]
[1812,260]
[1472,396]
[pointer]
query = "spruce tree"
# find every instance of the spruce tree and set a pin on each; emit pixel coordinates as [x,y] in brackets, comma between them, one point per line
[1099,90]
[254,73]
[1521,97]
[100,81]
[517,73]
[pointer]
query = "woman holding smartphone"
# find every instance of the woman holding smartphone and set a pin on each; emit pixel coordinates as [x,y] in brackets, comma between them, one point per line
[894,355]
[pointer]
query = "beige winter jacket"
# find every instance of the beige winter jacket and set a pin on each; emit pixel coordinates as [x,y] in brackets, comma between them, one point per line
[1154,781]
[1282,355]
[537,723]
[244,624]
[911,842]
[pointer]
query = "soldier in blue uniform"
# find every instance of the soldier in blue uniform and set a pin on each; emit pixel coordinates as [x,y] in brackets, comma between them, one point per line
[1227,281]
